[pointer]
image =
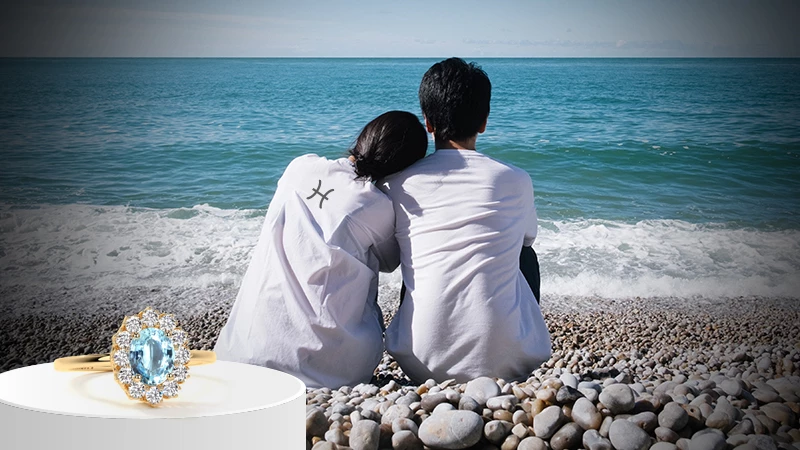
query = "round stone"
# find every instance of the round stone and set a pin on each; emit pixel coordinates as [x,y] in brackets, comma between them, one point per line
[153,396]
[121,358]
[645,420]
[547,395]
[547,422]
[618,398]
[765,396]
[625,435]
[520,430]
[532,443]
[133,324]
[724,406]
[150,317]
[335,436]
[405,440]
[605,426]
[468,403]
[323,445]
[136,390]
[590,394]
[343,408]
[482,389]
[167,323]
[585,414]
[759,442]
[593,441]
[179,337]
[666,435]
[779,413]
[451,429]
[179,373]
[443,407]
[365,435]
[405,424]
[708,440]
[731,387]
[152,356]
[744,427]
[182,355]
[170,388]
[506,402]
[316,422]
[397,412]
[123,339]
[569,380]
[673,416]
[496,431]
[125,375]
[567,437]
[736,440]
[719,420]
[664,446]
[430,401]
[567,394]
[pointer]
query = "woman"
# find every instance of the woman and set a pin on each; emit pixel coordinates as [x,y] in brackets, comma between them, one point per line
[307,304]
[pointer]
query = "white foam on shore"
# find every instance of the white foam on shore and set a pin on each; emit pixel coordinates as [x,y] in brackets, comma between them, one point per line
[111,246]
[117,246]
[658,258]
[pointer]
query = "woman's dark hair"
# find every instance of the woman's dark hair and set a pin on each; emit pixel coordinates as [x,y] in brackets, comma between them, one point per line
[454,97]
[388,144]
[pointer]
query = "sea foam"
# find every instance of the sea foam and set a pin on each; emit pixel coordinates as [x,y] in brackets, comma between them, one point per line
[105,246]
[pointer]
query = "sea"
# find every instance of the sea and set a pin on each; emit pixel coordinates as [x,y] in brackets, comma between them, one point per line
[652,177]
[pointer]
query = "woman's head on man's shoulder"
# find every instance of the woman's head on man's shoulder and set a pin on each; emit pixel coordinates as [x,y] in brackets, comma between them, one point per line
[388,144]
[454,97]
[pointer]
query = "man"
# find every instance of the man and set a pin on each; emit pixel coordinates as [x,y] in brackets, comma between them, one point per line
[461,219]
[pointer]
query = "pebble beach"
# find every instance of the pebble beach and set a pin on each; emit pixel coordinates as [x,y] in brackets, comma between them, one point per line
[625,374]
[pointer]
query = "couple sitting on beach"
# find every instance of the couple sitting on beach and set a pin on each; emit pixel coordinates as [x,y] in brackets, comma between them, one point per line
[459,224]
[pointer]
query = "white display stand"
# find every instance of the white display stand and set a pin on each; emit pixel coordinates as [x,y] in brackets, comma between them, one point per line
[223,405]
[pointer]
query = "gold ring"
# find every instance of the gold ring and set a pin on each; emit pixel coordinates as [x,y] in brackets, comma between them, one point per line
[148,356]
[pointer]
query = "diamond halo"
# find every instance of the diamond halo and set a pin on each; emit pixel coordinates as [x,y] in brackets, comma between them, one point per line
[149,356]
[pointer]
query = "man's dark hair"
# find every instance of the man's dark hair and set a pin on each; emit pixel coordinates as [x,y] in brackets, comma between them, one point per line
[388,144]
[454,97]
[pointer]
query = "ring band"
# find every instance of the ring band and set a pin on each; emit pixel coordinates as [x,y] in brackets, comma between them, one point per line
[101,362]
[149,357]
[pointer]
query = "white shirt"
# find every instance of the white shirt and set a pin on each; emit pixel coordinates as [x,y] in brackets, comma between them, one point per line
[461,221]
[307,305]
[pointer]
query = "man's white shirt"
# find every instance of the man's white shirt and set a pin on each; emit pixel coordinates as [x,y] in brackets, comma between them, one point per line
[461,220]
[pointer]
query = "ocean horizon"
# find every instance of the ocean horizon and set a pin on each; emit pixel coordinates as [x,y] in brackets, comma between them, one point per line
[653,176]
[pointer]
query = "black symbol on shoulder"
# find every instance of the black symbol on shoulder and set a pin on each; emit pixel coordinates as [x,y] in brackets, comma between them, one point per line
[317,191]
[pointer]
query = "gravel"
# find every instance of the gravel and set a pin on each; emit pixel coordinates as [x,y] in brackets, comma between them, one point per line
[716,373]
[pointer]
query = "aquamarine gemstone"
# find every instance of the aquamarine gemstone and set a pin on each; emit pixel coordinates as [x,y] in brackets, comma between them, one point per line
[152,356]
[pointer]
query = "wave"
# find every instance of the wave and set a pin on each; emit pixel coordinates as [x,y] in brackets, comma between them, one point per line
[105,246]
[655,258]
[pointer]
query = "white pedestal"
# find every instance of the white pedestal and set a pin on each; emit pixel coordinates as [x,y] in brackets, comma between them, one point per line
[223,405]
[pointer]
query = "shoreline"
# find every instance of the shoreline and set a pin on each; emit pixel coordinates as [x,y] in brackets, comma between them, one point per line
[728,369]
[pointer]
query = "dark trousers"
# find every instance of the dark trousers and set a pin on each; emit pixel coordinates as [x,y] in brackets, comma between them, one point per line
[528,265]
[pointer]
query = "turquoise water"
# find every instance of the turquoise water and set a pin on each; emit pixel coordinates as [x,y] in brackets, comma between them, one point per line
[655,174]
